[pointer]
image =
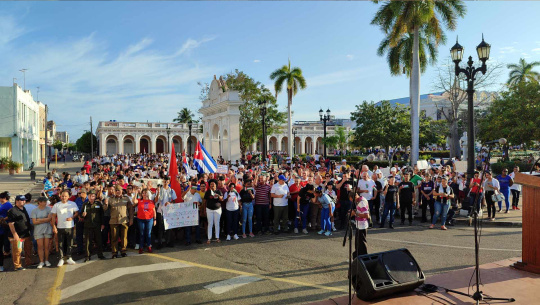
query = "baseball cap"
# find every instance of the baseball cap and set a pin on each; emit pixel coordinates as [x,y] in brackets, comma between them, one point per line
[241,166]
[344,160]
[393,169]
[378,171]
[20,197]
[281,177]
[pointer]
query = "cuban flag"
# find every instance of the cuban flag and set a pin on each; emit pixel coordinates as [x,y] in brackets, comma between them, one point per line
[184,162]
[203,161]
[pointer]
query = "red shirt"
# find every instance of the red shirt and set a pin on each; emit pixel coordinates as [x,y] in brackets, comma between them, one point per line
[88,167]
[474,189]
[294,188]
[145,209]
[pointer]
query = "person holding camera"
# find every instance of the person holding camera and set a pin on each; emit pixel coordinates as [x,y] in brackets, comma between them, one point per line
[344,186]
[445,196]
[305,197]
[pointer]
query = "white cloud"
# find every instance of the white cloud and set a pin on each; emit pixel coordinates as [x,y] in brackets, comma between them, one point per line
[256,60]
[9,30]
[507,50]
[336,77]
[536,50]
[525,55]
[84,77]
[350,56]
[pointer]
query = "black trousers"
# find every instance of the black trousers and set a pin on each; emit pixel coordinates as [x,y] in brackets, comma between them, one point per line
[360,243]
[406,206]
[65,242]
[490,204]
[105,232]
[159,229]
[343,210]
[2,250]
[515,197]
[96,234]
[374,206]
[425,203]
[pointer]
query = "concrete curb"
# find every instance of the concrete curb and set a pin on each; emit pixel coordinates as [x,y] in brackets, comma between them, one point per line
[463,221]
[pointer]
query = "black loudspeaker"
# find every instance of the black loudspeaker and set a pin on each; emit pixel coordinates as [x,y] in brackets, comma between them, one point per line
[385,273]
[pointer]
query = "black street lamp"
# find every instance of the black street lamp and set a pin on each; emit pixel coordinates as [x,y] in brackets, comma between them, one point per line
[456,52]
[324,118]
[294,132]
[168,130]
[190,125]
[262,107]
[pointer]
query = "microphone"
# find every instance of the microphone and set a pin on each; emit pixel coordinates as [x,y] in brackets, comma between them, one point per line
[501,141]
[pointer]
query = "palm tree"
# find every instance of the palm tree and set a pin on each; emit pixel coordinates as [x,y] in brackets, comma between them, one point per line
[184,116]
[400,18]
[294,81]
[522,72]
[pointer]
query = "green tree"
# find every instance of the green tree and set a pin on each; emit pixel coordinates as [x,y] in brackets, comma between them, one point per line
[251,92]
[83,143]
[294,80]
[57,144]
[514,115]
[338,140]
[400,18]
[184,116]
[523,72]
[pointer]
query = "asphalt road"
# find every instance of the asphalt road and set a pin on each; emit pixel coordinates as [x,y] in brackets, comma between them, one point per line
[284,269]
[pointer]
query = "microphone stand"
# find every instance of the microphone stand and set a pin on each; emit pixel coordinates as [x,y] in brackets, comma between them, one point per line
[349,232]
[478,295]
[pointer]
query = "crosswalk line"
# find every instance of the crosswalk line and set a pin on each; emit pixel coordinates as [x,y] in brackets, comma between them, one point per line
[81,263]
[114,274]
[230,284]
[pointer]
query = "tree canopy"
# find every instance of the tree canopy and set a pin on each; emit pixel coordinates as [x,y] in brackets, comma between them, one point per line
[83,143]
[523,72]
[252,91]
[514,115]
[184,116]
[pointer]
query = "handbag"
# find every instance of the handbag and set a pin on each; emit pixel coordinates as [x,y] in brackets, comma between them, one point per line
[497,196]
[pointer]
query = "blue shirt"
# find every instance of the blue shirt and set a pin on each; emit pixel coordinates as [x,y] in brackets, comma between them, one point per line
[4,208]
[325,200]
[79,202]
[504,181]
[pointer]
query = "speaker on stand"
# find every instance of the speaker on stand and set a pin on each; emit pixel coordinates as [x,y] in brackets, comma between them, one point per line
[385,273]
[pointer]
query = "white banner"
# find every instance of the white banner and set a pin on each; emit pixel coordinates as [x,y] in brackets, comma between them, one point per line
[178,215]
[192,173]
[222,169]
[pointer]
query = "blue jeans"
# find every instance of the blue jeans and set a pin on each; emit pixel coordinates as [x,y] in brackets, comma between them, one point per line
[303,214]
[442,210]
[197,233]
[145,229]
[388,208]
[506,193]
[247,215]
[326,225]
[232,221]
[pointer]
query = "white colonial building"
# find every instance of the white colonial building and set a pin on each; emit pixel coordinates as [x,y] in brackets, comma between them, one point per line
[219,131]
[19,131]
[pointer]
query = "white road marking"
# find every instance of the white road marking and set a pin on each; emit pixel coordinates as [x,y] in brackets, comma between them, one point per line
[438,245]
[81,263]
[230,284]
[114,274]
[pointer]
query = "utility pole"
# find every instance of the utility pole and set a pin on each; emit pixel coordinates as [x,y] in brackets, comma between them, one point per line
[46,140]
[91,140]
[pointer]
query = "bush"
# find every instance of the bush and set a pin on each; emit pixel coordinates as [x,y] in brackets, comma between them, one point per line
[436,153]
[497,168]
[350,159]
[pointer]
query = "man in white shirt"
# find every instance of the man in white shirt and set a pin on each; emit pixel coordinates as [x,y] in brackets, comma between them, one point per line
[165,195]
[280,193]
[193,198]
[367,189]
[65,211]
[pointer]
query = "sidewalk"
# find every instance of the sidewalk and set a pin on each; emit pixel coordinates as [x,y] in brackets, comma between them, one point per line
[499,280]
[21,183]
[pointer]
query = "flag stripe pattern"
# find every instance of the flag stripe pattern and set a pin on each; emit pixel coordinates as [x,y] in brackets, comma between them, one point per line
[203,161]
[184,162]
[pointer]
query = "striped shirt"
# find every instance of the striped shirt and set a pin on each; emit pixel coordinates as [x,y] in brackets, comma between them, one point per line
[262,194]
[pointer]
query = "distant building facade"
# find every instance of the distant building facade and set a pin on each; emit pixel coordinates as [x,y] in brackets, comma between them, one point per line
[19,131]
[62,136]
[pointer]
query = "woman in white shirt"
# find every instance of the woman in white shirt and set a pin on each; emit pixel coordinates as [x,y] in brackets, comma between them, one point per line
[491,185]
[515,189]
[232,209]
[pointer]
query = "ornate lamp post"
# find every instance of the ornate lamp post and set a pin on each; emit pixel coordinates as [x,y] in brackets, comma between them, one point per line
[262,107]
[190,125]
[294,132]
[168,130]
[456,52]
[324,118]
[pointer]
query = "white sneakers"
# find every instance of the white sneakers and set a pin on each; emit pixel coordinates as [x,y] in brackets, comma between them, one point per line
[70,261]
[228,237]
[305,231]
[40,265]
[235,236]
[60,262]
[295,230]
[136,246]
[47,264]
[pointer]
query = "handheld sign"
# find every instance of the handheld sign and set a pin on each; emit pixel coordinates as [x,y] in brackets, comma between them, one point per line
[222,169]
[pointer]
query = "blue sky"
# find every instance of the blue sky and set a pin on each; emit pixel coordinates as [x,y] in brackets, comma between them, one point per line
[139,61]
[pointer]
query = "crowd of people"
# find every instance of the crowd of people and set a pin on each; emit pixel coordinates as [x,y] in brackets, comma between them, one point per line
[116,202]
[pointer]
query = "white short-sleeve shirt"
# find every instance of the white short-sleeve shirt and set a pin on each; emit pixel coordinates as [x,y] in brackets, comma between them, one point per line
[64,211]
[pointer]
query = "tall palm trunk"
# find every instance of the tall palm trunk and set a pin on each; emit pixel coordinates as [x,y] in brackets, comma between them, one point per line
[415,100]
[289,123]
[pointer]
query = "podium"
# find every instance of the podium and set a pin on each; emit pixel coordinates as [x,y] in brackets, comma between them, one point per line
[531,214]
